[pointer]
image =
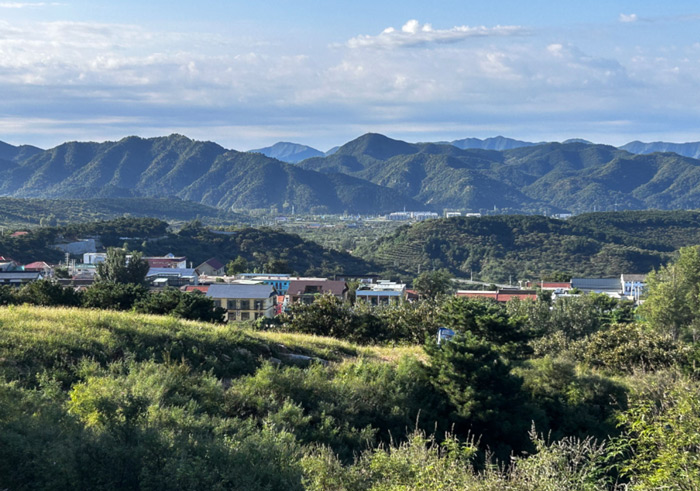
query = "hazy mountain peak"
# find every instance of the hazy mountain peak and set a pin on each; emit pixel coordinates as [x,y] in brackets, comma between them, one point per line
[289,152]
[494,143]
[689,149]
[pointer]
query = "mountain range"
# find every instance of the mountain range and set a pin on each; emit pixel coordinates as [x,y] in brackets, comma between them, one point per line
[371,174]
[202,172]
[548,177]
[295,152]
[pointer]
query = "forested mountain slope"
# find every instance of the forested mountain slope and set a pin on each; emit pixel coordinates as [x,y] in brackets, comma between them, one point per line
[499,248]
[542,178]
[197,171]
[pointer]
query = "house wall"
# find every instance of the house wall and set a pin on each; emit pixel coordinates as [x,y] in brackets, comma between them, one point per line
[247,308]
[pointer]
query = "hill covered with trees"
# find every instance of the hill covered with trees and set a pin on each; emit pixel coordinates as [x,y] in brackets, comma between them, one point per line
[371,174]
[262,249]
[202,172]
[496,248]
[540,178]
[21,212]
[527,395]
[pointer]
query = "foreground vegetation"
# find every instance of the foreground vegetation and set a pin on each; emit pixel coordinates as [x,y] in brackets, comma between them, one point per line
[578,396]
[584,393]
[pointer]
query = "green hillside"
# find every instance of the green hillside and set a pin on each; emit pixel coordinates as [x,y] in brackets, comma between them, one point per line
[524,397]
[203,172]
[264,249]
[542,178]
[371,174]
[498,248]
[21,212]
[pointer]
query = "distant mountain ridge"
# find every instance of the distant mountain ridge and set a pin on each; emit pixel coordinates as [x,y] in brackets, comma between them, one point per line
[370,174]
[543,178]
[17,153]
[494,143]
[289,152]
[202,172]
[294,152]
[691,149]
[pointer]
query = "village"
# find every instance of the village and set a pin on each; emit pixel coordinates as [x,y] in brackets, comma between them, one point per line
[251,296]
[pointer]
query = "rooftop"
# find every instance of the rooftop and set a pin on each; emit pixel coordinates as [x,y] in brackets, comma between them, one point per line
[240,291]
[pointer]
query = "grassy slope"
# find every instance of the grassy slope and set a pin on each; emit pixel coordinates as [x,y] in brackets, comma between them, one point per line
[34,338]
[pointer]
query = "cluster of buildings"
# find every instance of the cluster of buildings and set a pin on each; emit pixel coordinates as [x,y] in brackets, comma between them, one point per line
[251,296]
[246,296]
[419,216]
[627,286]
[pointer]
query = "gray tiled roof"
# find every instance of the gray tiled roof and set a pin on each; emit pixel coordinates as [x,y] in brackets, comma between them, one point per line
[239,291]
[20,275]
[298,287]
[172,272]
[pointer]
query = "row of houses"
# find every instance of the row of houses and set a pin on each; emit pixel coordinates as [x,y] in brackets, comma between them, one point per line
[627,286]
[251,296]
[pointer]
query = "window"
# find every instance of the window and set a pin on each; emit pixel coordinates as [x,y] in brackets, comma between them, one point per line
[231,305]
[245,316]
[245,304]
[259,305]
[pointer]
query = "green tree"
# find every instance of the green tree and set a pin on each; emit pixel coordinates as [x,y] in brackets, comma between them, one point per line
[326,316]
[624,348]
[431,284]
[114,296]
[488,320]
[117,269]
[238,265]
[276,265]
[7,295]
[477,380]
[672,303]
[186,305]
[660,444]
[48,293]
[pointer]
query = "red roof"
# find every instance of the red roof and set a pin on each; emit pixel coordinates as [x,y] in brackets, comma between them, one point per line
[200,288]
[476,294]
[164,262]
[19,233]
[499,296]
[36,266]
[556,284]
[504,297]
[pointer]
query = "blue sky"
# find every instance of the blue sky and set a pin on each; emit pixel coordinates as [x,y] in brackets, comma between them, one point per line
[249,74]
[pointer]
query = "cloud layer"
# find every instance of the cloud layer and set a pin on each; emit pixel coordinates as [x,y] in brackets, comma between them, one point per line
[81,80]
[413,33]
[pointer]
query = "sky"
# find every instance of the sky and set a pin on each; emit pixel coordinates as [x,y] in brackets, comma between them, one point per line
[249,74]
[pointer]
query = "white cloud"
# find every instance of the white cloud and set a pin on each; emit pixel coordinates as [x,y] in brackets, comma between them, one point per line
[413,33]
[628,18]
[135,80]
